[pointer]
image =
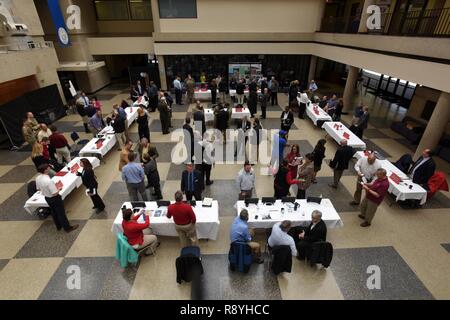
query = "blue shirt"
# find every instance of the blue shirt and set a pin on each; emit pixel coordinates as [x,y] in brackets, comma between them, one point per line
[282,144]
[122,113]
[177,84]
[239,231]
[96,122]
[133,173]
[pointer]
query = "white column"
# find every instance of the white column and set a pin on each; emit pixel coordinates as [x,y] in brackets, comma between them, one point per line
[436,126]
[162,72]
[349,90]
[312,68]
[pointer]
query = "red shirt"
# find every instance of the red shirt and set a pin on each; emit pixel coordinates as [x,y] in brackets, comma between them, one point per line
[57,140]
[45,152]
[293,169]
[381,187]
[182,213]
[133,230]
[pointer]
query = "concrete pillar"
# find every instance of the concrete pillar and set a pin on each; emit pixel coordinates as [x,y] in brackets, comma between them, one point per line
[364,16]
[320,15]
[349,90]
[312,68]
[155,14]
[436,126]
[162,72]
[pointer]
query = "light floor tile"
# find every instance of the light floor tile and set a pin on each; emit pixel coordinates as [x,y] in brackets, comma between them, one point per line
[95,240]
[14,234]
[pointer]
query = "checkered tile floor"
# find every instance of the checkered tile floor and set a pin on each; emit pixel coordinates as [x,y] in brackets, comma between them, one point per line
[36,261]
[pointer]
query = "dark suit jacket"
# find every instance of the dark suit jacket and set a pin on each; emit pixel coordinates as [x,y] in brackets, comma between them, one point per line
[240,88]
[140,92]
[424,172]
[363,121]
[319,233]
[222,120]
[200,116]
[88,179]
[342,158]
[198,181]
[290,119]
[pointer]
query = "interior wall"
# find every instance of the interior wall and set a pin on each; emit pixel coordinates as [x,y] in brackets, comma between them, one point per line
[13,89]
[249,16]
[93,80]
[127,26]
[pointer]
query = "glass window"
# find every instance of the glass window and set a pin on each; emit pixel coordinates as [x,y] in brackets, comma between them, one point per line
[177,9]
[141,9]
[112,10]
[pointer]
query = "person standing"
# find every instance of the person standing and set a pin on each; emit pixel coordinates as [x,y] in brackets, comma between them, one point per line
[188,140]
[54,200]
[253,102]
[153,96]
[185,221]
[199,118]
[294,159]
[192,183]
[366,168]
[283,181]
[240,232]
[287,119]
[178,90]
[80,109]
[118,125]
[190,89]
[305,176]
[303,102]
[164,115]
[293,92]
[124,154]
[153,179]
[245,181]
[222,120]
[240,92]
[213,86]
[319,155]
[207,160]
[43,132]
[264,97]
[134,176]
[274,87]
[61,146]
[142,120]
[140,89]
[223,88]
[375,193]
[362,123]
[338,112]
[134,95]
[330,107]
[340,162]
[90,182]
[145,147]
[312,89]
[96,123]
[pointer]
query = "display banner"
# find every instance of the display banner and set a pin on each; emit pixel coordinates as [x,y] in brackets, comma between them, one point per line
[60,24]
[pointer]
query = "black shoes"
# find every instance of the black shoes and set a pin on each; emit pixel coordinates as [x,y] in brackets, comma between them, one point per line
[209,183]
[72,228]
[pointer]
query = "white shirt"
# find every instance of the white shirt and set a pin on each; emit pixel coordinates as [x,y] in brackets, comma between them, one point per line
[367,169]
[46,185]
[245,180]
[304,98]
[43,134]
[84,100]
[281,238]
[177,84]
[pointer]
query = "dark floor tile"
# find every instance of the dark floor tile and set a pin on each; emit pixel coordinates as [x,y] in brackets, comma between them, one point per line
[48,242]
[69,126]
[94,274]
[446,246]
[380,123]
[12,157]
[219,283]
[3,263]
[155,126]
[105,96]
[352,273]
[373,146]
[12,208]
[305,146]
[407,143]
[175,172]
[374,134]
[179,108]
[340,197]
[19,174]
[271,123]
[439,201]
[165,151]
[224,191]
[118,284]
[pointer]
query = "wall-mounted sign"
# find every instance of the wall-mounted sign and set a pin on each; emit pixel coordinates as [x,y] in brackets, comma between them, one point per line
[60,24]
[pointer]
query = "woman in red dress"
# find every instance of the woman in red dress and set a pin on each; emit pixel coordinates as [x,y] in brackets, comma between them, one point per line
[294,160]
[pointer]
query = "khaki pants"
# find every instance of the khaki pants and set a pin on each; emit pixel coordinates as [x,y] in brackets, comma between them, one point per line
[240,98]
[368,209]
[63,154]
[120,137]
[222,96]
[337,176]
[127,135]
[187,234]
[245,194]
[255,246]
[189,97]
[358,192]
[149,240]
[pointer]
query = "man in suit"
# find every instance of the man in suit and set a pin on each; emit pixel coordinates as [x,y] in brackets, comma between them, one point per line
[199,118]
[362,123]
[240,91]
[340,162]
[274,87]
[188,133]
[178,90]
[153,96]
[423,168]
[189,83]
[316,231]
[164,115]
[140,89]
[192,183]
[222,119]
[134,95]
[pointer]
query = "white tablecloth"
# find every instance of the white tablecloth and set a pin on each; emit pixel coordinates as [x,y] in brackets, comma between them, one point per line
[401,191]
[209,115]
[70,182]
[141,101]
[301,217]
[246,92]
[321,116]
[132,115]
[338,135]
[240,115]
[203,95]
[91,147]
[207,221]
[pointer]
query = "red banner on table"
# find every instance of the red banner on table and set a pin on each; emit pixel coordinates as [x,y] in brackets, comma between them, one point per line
[75,168]
[394,177]
[346,135]
[61,173]
[59,184]
[239,109]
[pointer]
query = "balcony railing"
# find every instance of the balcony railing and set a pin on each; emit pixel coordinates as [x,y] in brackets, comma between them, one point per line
[424,23]
[14,47]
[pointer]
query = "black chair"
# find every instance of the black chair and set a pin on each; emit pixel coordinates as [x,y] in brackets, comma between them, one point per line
[189,264]
[77,142]
[321,253]
[281,259]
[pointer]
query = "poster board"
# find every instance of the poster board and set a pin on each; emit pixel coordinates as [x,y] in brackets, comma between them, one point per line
[245,70]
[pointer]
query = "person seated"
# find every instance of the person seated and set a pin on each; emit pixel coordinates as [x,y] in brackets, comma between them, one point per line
[280,236]
[139,234]
[404,163]
[316,231]
[241,233]
[423,169]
